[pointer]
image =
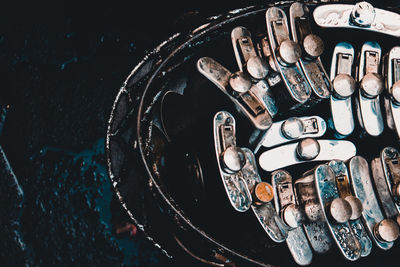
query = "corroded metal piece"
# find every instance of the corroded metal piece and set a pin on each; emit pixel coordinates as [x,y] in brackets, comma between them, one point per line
[293,216]
[363,190]
[315,226]
[248,102]
[392,77]
[343,86]
[344,190]
[360,16]
[390,159]
[233,180]
[264,211]
[291,73]
[340,209]
[313,47]
[371,86]
[286,155]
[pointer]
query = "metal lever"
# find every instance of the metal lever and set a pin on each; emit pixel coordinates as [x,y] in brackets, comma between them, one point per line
[359,16]
[238,169]
[371,86]
[339,212]
[390,159]
[231,160]
[287,206]
[343,87]
[238,87]
[286,54]
[344,190]
[315,227]
[304,151]
[383,231]
[313,47]
[392,75]
[291,129]
[257,67]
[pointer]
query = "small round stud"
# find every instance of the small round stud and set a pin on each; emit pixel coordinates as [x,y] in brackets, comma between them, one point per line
[257,67]
[372,84]
[363,14]
[240,82]
[308,149]
[340,210]
[292,128]
[386,230]
[356,207]
[293,216]
[233,159]
[289,51]
[263,192]
[313,45]
[344,86]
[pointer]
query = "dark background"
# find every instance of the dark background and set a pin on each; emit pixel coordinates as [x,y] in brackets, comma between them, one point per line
[61,66]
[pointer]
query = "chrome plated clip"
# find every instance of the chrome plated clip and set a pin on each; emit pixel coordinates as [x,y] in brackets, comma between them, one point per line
[315,226]
[344,190]
[306,150]
[337,212]
[383,231]
[343,88]
[371,86]
[359,16]
[286,54]
[293,215]
[256,66]
[238,87]
[313,47]
[392,101]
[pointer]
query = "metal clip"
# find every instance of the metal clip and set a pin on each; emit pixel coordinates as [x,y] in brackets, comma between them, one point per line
[343,87]
[382,230]
[371,86]
[313,47]
[238,169]
[304,151]
[238,87]
[286,54]
[337,212]
[393,85]
[344,190]
[315,227]
[287,206]
[390,159]
[359,16]
[231,160]
[293,128]
[257,67]
[262,200]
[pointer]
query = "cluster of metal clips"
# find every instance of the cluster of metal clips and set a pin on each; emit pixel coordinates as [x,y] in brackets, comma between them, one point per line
[343,200]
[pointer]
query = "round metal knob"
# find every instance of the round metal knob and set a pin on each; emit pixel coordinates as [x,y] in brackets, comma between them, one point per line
[344,86]
[233,159]
[257,67]
[363,14]
[356,207]
[272,63]
[372,84]
[308,149]
[263,192]
[240,82]
[293,216]
[395,92]
[340,210]
[292,128]
[289,51]
[313,45]
[386,230]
